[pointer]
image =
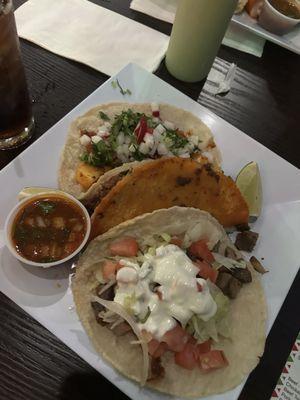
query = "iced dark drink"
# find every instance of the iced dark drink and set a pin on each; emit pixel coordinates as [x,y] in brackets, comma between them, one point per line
[16,121]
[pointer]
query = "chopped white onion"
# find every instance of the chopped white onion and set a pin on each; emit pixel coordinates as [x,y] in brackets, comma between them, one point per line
[101,129]
[132,148]
[96,139]
[162,149]
[144,148]
[120,138]
[85,140]
[118,309]
[149,139]
[159,129]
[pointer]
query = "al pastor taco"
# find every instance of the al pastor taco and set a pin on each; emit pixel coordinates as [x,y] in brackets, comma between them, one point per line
[169,301]
[103,144]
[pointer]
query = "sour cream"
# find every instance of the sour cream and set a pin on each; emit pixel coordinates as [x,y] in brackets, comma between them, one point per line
[179,298]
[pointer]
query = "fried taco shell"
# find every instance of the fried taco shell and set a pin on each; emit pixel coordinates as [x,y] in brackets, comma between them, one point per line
[247,311]
[168,182]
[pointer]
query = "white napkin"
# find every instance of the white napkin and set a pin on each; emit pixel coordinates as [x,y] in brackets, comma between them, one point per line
[90,34]
[235,37]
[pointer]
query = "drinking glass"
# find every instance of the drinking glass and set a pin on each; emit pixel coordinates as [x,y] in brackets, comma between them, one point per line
[16,120]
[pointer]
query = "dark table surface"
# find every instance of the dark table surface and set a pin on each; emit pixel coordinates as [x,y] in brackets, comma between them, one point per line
[264,103]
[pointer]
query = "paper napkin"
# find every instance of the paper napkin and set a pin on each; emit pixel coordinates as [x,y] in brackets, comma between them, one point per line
[235,37]
[90,34]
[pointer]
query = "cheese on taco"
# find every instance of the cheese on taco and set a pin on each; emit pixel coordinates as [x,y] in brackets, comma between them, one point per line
[169,301]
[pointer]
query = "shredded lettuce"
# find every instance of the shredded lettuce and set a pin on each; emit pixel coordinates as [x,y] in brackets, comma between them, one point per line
[129,302]
[217,325]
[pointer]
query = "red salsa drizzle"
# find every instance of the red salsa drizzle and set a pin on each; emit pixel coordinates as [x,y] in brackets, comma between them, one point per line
[48,229]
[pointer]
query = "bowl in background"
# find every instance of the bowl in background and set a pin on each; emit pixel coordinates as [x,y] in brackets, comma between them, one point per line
[274,21]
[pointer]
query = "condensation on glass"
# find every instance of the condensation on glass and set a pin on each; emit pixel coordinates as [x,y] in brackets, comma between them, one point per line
[16,120]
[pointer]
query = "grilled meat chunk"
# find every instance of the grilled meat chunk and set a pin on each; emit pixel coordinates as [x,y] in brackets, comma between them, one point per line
[246,240]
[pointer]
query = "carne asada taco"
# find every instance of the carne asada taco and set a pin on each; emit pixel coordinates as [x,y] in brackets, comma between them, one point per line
[169,301]
[168,182]
[104,143]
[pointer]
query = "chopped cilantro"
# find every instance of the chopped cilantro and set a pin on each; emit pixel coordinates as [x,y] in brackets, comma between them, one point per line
[175,140]
[116,84]
[103,116]
[47,207]
[102,154]
[105,151]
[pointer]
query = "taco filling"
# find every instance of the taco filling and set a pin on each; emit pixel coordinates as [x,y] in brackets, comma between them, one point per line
[174,297]
[131,136]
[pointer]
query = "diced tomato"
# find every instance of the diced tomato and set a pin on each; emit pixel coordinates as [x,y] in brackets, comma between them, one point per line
[153,346]
[155,113]
[203,347]
[200,249]
[109,269]
[206,271]
[156,349]
[141,129]
[212,360]
[176,338]
[199,287]
[150,130]
[127,247]
[187,358]
[176,240]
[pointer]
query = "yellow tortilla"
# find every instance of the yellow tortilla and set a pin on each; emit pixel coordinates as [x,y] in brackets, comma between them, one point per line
[247,311]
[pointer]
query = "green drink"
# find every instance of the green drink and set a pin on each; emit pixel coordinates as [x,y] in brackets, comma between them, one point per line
[197,33]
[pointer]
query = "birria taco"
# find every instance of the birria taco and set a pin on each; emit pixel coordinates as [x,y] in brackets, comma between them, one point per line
[168,182]
[169,301]
[103,144]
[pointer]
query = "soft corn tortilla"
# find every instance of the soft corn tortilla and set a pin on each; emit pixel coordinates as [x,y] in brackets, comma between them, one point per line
[168,182]
[73,149]
[247,311]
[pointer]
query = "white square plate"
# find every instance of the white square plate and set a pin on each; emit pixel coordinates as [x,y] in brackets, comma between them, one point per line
[45,294]
[290,40]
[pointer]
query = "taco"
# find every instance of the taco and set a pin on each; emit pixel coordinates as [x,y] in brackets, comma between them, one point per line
[103,144]
[169,182]
[169,301]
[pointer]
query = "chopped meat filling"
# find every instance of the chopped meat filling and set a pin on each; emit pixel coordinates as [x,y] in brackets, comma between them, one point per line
[246,240]
[157,370]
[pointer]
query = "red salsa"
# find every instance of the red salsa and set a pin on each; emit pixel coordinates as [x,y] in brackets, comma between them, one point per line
[48,229]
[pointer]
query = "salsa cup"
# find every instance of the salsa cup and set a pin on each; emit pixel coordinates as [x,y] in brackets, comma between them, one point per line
[274,21]
[13,215]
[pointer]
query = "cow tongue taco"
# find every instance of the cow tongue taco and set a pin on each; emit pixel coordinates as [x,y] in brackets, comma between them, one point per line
[108,140]
[169,301]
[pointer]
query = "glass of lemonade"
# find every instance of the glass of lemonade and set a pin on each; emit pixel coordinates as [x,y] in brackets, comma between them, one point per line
[197,34]
[16,120]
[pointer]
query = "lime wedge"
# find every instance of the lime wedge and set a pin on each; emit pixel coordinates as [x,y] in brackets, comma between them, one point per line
[30,191]
[249,183]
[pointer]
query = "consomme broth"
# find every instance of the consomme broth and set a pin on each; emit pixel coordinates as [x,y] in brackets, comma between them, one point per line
[48,229]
